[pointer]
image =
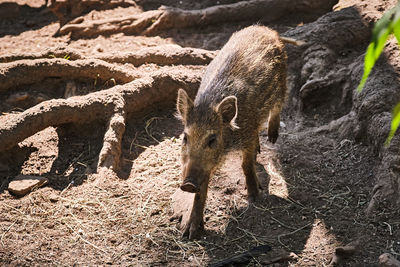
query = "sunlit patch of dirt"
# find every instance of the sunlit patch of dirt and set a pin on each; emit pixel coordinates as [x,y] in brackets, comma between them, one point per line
[317,179]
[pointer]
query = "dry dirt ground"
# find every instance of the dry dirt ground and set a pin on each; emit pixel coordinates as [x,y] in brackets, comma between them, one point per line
[317,185]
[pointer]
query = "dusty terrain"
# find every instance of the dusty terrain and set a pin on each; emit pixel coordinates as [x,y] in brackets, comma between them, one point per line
[318,179]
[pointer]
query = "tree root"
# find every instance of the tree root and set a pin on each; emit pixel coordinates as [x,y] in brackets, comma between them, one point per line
[155,21]
[114,103]
[164,55]
[24,72]
[161,55]
[110,153]
[386,192]
[134,24]
[66,10]
[39,67]
[325,40]
[368,117]
[66,53]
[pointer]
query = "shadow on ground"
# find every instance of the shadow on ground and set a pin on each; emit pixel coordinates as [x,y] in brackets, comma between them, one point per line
[15,18]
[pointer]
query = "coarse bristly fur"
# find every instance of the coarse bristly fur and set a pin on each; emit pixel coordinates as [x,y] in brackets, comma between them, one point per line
[243,87]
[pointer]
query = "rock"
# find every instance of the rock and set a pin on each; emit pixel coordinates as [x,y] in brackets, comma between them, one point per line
[342,253]
[387,260]
[23,184]
[98,49]
[53,197]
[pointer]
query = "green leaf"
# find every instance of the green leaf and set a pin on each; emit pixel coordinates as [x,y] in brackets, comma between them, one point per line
[384,35]
[395,123]
[388,24]
[396,23]
[380,33]
[382,25]
[369,61]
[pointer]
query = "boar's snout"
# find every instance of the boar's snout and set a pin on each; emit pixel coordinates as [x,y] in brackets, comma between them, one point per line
[193,178]
[189,185]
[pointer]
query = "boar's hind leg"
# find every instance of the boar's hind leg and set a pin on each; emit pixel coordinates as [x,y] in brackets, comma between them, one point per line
[257,149]
[252,183]
[273,123]
[195,224]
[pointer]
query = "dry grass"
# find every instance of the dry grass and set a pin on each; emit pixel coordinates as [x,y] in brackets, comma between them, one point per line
[109,220]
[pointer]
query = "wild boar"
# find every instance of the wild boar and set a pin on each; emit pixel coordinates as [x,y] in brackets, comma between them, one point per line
[243,88]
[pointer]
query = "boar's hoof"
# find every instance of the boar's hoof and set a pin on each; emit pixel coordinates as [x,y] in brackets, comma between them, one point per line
[190,187]
[253,198]
[272,138]
[193,230]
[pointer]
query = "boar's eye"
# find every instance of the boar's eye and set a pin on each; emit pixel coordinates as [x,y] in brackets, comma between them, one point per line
[212,140]
[184,141]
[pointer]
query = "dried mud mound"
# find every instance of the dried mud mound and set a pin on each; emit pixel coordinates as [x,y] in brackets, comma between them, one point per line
[87,91]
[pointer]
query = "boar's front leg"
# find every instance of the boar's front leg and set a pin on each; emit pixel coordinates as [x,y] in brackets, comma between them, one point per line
[248,166]
[195,225]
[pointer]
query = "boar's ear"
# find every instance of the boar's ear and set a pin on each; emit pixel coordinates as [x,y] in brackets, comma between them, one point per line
[183,105]
[228,110]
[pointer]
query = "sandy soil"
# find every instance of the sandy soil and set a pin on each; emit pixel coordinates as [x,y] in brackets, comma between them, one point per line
[316,185]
